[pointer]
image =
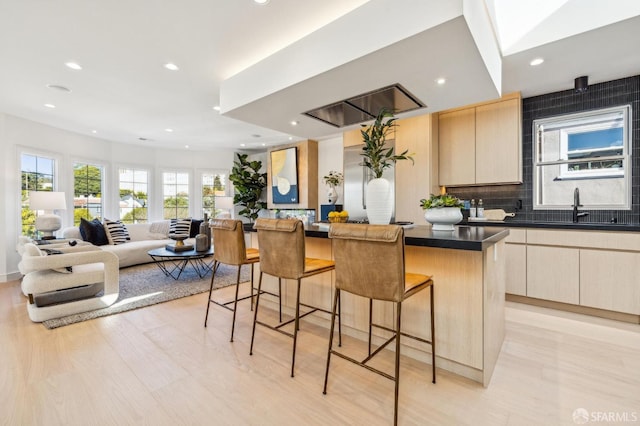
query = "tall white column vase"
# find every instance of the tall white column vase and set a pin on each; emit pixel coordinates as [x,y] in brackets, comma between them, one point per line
[379,202]
[443,218]
[332,195]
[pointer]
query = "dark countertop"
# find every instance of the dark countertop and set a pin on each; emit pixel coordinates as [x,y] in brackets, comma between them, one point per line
[619,227]
[464,237]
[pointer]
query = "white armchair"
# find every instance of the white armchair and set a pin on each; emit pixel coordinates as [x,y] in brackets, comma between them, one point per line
[55,291]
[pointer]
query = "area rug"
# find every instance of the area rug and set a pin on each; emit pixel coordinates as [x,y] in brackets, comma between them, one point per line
[146,285]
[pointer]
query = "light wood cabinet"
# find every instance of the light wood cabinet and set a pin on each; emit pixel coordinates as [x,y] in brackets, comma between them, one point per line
[553,274]
[498,156]
[609,280]
[414,181]
[516,282]
[481,144]
[593,269]
[457,147]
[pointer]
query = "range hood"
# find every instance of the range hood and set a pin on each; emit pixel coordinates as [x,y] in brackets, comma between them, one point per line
[365,107]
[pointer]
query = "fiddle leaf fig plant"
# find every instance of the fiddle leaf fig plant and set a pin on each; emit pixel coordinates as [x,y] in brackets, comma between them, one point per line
[249,184]
[376,155]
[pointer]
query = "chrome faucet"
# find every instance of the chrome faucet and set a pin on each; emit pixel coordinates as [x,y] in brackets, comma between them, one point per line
[576,204]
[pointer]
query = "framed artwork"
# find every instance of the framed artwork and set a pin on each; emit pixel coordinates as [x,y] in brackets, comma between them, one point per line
[284,176]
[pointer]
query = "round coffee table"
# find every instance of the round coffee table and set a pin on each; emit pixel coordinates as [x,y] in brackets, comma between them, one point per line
[173,263]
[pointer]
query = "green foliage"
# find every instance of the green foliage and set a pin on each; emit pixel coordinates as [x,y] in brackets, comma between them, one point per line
[80,213]
[87,179]
[444,200]
[377,156]
[249,184]
[136,215]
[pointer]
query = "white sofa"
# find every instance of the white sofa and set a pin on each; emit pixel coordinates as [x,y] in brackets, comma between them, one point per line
[133,252]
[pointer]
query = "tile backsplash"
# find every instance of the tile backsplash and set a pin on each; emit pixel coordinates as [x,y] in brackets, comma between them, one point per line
[611,93]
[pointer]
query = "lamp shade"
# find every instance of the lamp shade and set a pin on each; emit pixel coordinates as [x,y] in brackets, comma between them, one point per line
[224,203]
[47,200]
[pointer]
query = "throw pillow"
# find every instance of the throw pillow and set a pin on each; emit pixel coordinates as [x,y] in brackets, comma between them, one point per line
[116,232]
[180,227]
[195,228]
[93,232]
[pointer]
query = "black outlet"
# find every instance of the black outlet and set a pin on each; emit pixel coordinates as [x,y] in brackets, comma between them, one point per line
[519,205]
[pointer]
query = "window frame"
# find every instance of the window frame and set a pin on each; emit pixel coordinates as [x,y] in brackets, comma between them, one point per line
[201,186]
[55,181]
[189,189]
[149,191]
[103,186]
[586,120]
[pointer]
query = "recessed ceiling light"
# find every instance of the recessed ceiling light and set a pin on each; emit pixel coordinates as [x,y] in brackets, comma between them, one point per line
[536,61]
[168,130]
[441,81]
[50,105]
[186,146]
[58,87]
[171,66]
[290,138]
[243,144]
[94,131]
[294,123]
[217,108]
[143,139]
[261,1]
[73,65]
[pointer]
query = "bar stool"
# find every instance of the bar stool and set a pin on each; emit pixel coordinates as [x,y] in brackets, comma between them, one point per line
[370,263]
[230,249]
[282,248]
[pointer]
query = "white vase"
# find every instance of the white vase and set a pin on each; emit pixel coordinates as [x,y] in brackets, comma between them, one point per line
[379,201]
[443,218]
[332,195]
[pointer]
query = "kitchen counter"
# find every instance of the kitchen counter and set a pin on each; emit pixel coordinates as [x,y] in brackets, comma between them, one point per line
[468,266]
[462,238]
[618,227]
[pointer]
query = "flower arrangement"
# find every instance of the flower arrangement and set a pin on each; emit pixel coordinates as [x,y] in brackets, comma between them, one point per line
[443,200]
[334,179]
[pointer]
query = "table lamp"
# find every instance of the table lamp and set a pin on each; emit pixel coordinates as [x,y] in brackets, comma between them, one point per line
[47,201]
[225,204]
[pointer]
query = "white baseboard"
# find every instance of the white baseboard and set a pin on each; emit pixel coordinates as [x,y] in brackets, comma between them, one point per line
[10,277]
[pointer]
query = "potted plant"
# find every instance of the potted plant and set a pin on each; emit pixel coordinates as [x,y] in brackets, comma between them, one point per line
[333,179]
[249,184]
[442,211]
[377,157]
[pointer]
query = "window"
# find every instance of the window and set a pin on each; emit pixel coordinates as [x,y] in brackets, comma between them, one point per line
[589,151]
[37,174]
[175,194]
[87,192]
[134,195]
[213,185]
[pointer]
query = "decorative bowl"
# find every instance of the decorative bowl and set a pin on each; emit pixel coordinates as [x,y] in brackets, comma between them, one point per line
[339,219]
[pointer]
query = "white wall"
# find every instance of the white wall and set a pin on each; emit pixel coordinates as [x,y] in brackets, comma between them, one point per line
[18,134]
[329,158]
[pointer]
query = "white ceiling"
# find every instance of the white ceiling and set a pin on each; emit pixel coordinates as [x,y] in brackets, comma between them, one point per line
[288,56]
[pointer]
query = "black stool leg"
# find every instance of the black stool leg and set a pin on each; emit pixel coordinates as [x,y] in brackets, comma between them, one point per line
[213,274]
[397,391]
[339,321]
[235,303]
[370,322]
[433,338]
[336,298]
[295,330]
[255,314]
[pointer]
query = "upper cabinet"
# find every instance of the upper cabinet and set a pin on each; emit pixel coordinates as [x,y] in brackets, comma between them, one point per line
[481,144]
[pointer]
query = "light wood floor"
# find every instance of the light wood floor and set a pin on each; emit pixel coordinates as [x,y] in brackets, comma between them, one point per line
[159,366]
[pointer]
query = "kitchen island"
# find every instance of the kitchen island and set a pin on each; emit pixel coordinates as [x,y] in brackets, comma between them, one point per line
[468,268]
